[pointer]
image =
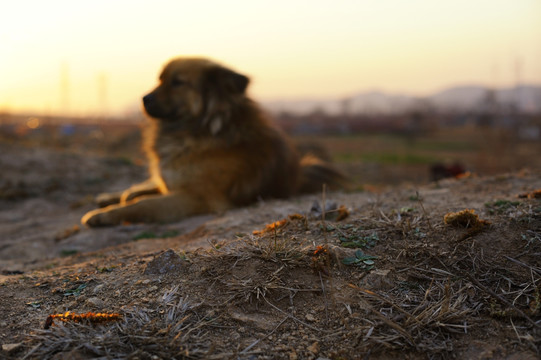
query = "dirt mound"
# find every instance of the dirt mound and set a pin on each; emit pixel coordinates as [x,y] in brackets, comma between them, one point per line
[390,279]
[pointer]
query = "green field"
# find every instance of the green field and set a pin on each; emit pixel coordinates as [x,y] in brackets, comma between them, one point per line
[376,159]
[383,159]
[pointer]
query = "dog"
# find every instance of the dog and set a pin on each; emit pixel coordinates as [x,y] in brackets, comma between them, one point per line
[210,148]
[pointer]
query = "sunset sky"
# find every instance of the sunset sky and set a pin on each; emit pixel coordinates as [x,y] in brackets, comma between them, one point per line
[88,58]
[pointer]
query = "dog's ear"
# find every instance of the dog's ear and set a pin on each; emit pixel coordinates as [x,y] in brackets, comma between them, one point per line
[227,81]
[222,88]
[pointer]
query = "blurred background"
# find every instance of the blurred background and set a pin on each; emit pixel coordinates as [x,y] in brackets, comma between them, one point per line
[398,92]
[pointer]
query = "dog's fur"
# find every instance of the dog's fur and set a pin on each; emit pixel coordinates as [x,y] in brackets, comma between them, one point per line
[210,148]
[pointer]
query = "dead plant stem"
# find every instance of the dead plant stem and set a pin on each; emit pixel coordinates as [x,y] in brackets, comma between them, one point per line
[523,264]
[499,298]
[324,297]
[424,210]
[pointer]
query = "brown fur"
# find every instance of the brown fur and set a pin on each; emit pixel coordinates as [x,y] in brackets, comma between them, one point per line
[210,148]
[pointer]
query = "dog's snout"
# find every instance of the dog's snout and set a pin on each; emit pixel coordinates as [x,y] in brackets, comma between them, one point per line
[148,99]
[152,106]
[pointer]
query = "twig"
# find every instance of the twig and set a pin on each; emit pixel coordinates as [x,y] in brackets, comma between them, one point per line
[323,196]
[430,271]
[523,264]
[296,289]
[323,223]
[327,255]
[381,298]
[394,325]
[385,217]
[264,337]
[424,211]
[32,351]
[324,297]
[499,298]
[440,271]
[516,331]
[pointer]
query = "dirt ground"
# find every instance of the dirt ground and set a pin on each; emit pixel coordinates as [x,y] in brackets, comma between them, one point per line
[383,277]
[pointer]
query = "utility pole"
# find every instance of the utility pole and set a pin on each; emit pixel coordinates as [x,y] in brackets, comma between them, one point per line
[64,89]
[518,75]
[102,95]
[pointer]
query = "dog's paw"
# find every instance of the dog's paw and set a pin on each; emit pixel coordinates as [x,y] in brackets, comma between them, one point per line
[98,218]
[106,199]
[128,195]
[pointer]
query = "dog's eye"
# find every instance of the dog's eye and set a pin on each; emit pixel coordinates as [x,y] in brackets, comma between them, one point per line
[178,82]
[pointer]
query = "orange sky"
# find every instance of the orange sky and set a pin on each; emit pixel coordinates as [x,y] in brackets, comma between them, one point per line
[94,57]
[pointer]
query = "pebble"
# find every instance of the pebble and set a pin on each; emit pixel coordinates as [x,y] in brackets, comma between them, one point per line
[314,348]
[96,302]
[310,317]
[11,347]
[98,288]
[168,262]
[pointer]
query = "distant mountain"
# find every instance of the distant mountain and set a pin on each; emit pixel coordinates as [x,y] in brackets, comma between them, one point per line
[526,98]
[459,97]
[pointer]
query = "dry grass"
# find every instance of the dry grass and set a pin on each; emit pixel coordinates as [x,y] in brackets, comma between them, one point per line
[163,330]
[426,291]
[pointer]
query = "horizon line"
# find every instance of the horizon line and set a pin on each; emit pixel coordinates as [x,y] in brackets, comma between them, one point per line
[130,110]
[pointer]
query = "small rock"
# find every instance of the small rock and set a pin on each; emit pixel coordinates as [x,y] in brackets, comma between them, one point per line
[339,253]
[310,317]
[314,348]
[9,348]
[96,302]
[97,288]
[332,212]
[316,210]
[377,280]
[166,262]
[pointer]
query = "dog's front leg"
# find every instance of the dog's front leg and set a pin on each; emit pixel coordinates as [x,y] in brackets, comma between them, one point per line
[153,209]
[147,187]
[106,199]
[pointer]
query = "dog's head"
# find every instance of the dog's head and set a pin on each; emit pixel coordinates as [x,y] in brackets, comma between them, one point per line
[196,92]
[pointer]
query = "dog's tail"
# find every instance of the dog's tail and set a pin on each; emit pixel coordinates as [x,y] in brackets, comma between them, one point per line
[315,172]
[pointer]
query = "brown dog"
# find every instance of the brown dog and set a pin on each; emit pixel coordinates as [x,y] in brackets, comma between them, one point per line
[210,148]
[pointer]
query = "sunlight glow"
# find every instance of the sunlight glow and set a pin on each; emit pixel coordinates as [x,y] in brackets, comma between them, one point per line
[100,57]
